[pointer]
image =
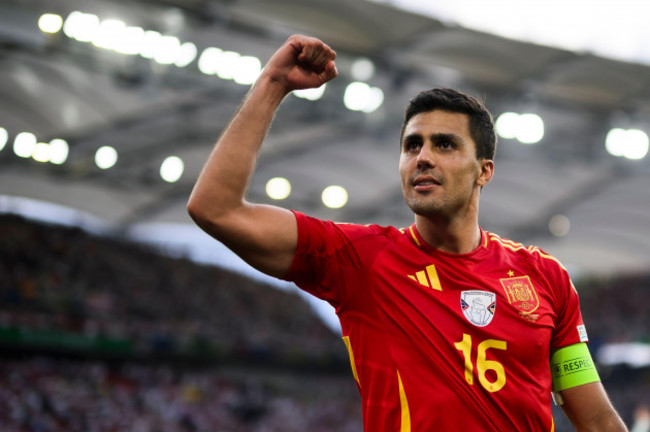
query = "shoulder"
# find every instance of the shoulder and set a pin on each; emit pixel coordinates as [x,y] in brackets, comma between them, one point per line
[532,261]
[351,231]
[526,253]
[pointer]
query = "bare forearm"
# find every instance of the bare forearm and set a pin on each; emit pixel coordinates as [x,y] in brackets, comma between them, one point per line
[590,410]
[607,422]
[227,173]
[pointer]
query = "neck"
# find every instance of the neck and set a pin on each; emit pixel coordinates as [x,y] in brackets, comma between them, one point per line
[457,236]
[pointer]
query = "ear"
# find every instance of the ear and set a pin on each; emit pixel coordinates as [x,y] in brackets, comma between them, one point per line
[486,167]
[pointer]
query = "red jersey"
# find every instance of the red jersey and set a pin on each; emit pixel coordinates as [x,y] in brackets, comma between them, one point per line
[439,341]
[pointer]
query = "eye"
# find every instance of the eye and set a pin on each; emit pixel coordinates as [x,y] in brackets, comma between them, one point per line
[445,144]
[412,144]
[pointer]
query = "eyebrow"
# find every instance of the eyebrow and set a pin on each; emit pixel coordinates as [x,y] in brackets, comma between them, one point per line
[447,136]
[436,137]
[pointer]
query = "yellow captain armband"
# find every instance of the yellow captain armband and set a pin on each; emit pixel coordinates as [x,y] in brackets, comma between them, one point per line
[572,366]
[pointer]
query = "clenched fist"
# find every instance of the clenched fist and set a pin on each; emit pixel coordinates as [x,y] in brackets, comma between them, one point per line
[301,62]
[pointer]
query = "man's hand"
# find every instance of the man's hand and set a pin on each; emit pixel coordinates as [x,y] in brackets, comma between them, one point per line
[301,62]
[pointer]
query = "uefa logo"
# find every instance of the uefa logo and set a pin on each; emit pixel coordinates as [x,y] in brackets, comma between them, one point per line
[478,306]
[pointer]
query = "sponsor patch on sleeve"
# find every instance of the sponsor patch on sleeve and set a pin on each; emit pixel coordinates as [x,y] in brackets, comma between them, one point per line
[582,332]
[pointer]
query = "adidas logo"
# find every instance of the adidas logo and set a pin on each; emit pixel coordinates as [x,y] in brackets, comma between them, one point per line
[427,277]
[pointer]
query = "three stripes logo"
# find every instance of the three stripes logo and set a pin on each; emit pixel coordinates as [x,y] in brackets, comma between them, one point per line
[427,277]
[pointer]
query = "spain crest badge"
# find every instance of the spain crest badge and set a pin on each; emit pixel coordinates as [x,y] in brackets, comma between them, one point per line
[521,293]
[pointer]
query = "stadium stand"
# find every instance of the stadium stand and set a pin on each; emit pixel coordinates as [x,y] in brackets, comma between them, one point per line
[64,288]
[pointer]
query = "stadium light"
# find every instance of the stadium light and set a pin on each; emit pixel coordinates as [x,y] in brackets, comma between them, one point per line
[278,188]
[526,128]
[4,137]
[107,34]
[50,23]
[106,157]
[186,54]
[41,152]
[506,125]
[631,144]
[24,144]
[334,196]
[209,60]
[81,26]
[247,70]
[530,129]
[59,151]
[559,225]
[311,94]
[230,65]
[227,65]
[166,50]
[129,41]
[149,44]
[359,96]
[172,169]
[115,35]
[362,69]
[374,101]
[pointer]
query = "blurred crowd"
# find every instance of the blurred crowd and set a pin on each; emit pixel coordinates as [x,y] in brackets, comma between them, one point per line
[57,395]
[66,281]
[615,307]
[61,278]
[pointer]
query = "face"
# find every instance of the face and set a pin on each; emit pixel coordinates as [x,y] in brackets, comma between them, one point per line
[438,167]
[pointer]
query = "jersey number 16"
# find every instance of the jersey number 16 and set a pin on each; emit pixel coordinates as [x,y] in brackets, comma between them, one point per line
[482,363]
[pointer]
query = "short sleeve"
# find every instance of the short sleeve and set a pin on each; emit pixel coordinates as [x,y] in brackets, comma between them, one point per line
[329,256]
[569,326]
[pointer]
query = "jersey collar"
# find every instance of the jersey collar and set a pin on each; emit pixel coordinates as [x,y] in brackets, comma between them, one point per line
[414,237]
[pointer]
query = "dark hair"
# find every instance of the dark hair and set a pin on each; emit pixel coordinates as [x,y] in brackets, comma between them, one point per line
[481,126]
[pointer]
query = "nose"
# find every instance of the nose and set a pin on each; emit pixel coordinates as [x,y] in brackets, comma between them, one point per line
[425,158]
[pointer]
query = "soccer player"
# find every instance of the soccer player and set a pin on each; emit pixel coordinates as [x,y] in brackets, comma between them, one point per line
[448,327]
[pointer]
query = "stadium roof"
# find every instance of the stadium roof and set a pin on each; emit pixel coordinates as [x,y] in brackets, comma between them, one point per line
[92,91]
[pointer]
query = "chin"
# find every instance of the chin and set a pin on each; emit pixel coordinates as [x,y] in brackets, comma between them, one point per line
[424,208]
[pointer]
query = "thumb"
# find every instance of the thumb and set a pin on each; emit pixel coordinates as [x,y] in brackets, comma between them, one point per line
[330,72]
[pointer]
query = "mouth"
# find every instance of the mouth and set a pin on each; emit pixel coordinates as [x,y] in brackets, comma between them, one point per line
[425,183]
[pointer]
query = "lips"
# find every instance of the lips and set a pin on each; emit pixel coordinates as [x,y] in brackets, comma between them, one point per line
[423,182]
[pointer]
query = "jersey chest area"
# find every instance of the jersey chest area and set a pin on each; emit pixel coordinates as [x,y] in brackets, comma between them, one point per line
[494,298]
[475,330]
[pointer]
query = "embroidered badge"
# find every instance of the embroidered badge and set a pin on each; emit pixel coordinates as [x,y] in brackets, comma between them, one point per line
[478,306]
[521,293]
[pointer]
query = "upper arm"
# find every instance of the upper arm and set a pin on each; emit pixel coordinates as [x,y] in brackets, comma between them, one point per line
[589,409]
[262,235]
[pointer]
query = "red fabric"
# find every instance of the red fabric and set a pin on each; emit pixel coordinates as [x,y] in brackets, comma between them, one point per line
[397,324]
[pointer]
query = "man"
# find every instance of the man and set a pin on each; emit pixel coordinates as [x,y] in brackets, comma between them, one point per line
[424,357]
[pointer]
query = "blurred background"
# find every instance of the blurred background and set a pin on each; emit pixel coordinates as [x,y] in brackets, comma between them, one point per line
[117,313]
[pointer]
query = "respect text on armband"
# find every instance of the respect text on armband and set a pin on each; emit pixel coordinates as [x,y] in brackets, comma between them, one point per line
[572,366]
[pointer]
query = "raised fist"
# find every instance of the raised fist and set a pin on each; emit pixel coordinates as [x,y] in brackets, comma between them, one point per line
[301,62]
